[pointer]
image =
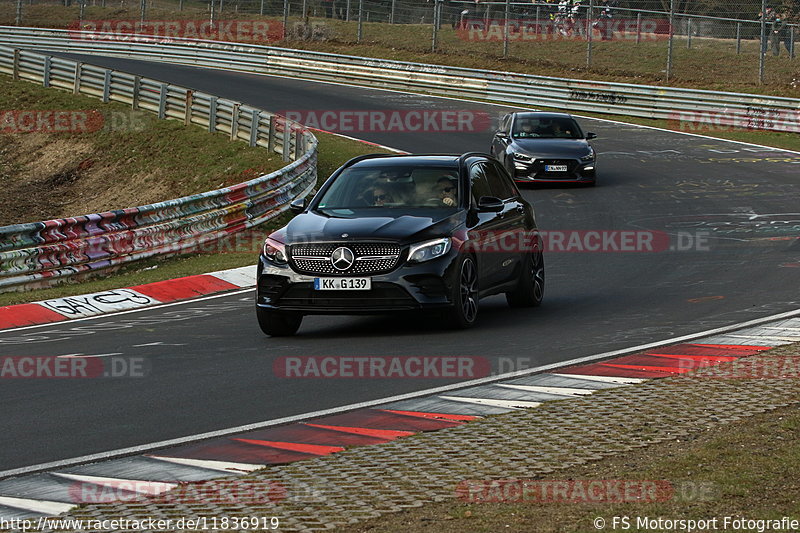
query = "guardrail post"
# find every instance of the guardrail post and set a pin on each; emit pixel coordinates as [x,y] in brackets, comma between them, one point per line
[106,86]
[46,73]
[212,115]
[188,108]
[15,66]
[537,21]
[287,140]
[791,42]
[271,135]
[180,5]
[689,33]
[76,82]
[347,12]
[235,121]
[18,17]
[391,13]
[638,28]
[260,11]
[162,101]
[137,83]
[298,144]
[254,128]
[738,38]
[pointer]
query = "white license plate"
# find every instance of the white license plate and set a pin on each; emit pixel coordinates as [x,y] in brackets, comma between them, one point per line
[555,168]
[342,284]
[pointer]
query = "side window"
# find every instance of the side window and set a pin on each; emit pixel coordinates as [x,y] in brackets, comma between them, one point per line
[505,124]
[479,185]
[499,184]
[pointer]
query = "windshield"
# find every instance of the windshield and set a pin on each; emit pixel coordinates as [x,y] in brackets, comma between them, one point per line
[546,128]
[393,188]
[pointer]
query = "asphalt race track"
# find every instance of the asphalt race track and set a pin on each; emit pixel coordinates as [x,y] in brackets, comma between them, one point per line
[733,254]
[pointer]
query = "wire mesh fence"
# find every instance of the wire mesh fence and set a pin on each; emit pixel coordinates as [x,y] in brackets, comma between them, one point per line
[705,42]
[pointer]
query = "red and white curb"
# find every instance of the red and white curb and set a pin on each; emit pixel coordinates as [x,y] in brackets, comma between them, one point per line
[193,461]
[136,297]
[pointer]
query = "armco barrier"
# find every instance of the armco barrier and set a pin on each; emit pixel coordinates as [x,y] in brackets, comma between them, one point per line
[41,253]
[762,112]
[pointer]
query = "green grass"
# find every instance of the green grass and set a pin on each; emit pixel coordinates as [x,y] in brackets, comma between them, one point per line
[189,157]
[744,469]
[710,63]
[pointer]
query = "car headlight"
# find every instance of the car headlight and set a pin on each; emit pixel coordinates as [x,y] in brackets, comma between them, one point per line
[589,156]
[524,158]
[275,251]
[425,251]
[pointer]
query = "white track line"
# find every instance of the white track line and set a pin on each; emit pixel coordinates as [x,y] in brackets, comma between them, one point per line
[207,464]
[558,391]
[44,507]
[507,404]
[134,450]
[602,379]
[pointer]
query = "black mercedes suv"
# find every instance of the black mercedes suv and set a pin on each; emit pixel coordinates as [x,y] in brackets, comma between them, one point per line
[391,233]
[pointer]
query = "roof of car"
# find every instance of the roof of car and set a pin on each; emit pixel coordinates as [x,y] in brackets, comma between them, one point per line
[541,114]
[432,160]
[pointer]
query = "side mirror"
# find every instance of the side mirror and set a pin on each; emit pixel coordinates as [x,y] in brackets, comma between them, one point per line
[501,135]
[298,205]
[590,135]
[490,204]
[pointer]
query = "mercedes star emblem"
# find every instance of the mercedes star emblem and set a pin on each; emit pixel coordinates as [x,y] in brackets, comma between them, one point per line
[342,258]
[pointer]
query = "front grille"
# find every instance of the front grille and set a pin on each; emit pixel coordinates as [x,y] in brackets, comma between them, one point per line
[370,258]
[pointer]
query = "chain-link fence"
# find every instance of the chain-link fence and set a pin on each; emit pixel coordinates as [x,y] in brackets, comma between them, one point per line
[713,43]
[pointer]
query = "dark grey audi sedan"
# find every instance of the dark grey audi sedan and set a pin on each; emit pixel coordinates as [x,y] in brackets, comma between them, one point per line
[390,233]
[545,147]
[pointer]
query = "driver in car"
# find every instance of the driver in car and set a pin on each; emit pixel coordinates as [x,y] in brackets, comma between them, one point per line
[446,188]
[380,196]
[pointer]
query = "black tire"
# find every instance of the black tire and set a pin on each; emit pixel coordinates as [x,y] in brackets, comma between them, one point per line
[464,312]
[530,287]
[277,323]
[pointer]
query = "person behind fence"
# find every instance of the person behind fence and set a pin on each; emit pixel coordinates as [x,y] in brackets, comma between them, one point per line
[604,21]
[768,17]
[781,32]
[576,16]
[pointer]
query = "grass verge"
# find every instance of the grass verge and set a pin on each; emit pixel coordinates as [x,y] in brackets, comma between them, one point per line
[187,159]
[744,469]
[710,63]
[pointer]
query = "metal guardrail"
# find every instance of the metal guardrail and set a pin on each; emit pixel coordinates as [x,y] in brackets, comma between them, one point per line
[719,108]
[41,253]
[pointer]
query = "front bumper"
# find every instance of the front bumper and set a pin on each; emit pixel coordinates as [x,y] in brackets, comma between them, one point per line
[577,171]
[409,287]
